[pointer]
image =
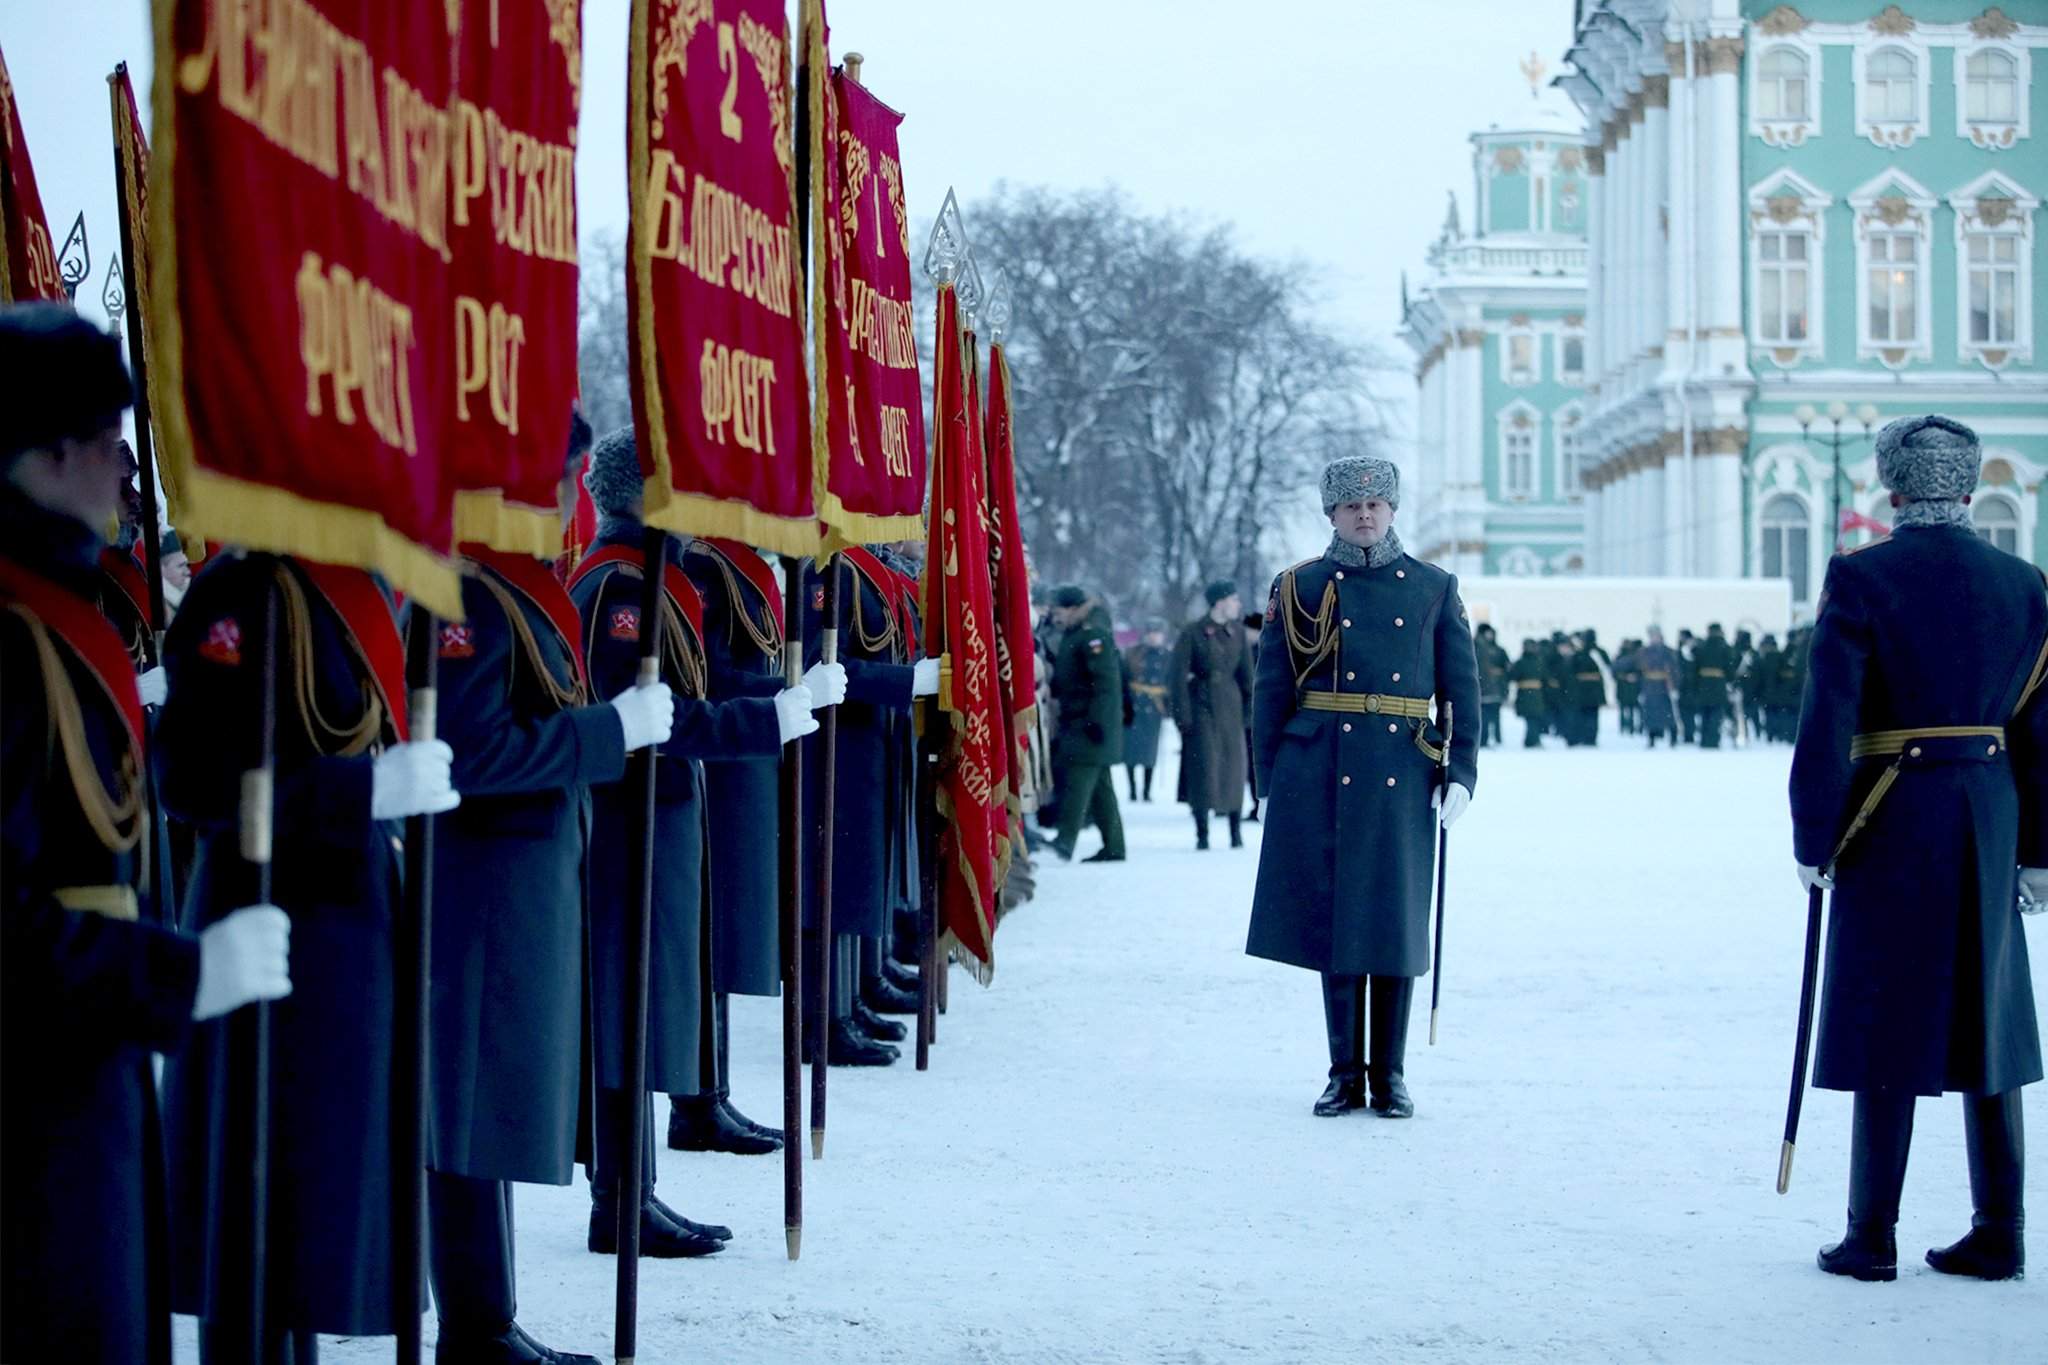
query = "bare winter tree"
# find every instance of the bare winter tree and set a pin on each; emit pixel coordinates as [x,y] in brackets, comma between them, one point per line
[601,336]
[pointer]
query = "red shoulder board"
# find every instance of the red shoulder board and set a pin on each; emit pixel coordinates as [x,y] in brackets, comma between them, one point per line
[127,575]
[80,626]
[536,582]
[681,591]
[752,568]
[371,628]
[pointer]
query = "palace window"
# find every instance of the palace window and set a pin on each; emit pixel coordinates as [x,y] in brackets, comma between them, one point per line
[1569,483]
[1572,359]
[1993,261]
[1786,540]
[1521,358]
[1991,87]
[1891,87]
[1518,461]
[1998,521]
[1781,85]
[1894,285]
[1783,286]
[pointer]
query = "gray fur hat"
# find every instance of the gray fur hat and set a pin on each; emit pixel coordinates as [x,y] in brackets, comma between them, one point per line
[1929,459]
[1358,478]
[614,474]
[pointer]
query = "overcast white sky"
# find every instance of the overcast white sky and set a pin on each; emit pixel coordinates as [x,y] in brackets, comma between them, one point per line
[1326,131]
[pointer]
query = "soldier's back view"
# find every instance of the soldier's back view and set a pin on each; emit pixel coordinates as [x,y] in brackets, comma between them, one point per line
[1920,781]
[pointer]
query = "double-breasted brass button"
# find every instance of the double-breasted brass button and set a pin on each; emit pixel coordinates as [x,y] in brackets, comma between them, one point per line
[1397,677]
[1390,782]
[1347,727]
[1916,751]
[1400,573]
[1349,676]
[1347,781]
[1399,622]
[1340,573]
[1347,622]
[1392,728]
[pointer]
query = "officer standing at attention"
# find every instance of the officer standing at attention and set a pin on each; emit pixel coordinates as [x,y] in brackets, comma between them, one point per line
[1920,793]
[1211,684]
[508,923]
[1493,684]
[1529,676]
[1087,685]
[1713,670]
[93,982]
[1362,641]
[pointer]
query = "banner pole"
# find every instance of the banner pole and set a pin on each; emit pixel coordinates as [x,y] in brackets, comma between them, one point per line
[632,1190]
[828,786]
[792,920]
[138,364]
[412,954]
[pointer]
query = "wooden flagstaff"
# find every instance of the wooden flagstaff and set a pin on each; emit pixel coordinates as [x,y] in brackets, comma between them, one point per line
[927,882]
[792,908]
[138,364]
[639,949]
[828,788]
[411,959]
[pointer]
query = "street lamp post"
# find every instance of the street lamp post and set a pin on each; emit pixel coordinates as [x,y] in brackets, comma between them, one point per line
[1838,412]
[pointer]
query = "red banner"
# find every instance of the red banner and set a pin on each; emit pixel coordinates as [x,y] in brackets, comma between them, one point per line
[512,227]
[1010,578]
[715,287]
[959,627]
[28,265]
[869,403]
[300,300]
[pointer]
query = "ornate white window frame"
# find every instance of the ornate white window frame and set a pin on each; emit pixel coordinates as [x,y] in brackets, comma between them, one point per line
[1885,34]
[1891,203]
[2022,533]
[1566,334]
[1509,375]
[1531,420]
[1816,555]
[1569,419]
[1995,196]
[1785,132]
[1782,202]
[1521,562]
[1984,37]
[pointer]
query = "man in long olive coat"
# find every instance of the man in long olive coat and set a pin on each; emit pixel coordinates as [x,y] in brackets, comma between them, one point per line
[1088,689]
[1367,639]
[1920,793]
[1211,680]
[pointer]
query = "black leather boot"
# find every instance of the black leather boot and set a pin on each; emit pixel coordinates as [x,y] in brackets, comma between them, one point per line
[663,1235]
[1391,997]
[875,1026]
[880,996]
[1994,1248]
[1343,1018]
[1131,777]
[850,1047]
[1236,830]
[704,1123]
[1148,784]
[508,1346]
[901,977]
[1201,829]
[1880,1137]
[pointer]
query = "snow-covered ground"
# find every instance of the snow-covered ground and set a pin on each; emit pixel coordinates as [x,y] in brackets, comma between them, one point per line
[1113,1159]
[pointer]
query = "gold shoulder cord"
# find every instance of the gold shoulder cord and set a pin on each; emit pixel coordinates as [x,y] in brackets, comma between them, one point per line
[564,697]
[1308,650]
[765,636]
[117,818]
[339,741]
[884,644]
[680,648]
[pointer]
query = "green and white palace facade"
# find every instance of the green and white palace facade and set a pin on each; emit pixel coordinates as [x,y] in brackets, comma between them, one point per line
[1804,221]
[1498,327]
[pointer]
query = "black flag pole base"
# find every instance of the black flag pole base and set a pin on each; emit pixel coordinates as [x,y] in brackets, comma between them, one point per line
[1432,1025]
[794,1236]
[1785,1167]
[817,1148]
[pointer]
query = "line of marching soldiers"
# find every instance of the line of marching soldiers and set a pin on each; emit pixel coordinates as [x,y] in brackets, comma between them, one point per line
[1696,692]
[533,880]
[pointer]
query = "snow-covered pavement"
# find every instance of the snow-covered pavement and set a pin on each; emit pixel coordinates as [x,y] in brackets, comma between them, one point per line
[1113,1159]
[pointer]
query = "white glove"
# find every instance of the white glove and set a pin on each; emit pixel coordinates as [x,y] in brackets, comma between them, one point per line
[1812,878]
[924,678]
[413,779]
[243,958]
[793,718]
[2034,889]
[647,714]
[153,685]
[827,683]
[1450,802]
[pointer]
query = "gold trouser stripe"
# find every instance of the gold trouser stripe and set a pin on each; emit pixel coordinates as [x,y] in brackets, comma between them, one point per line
[1656,677]
[1372,703]
[115,902]
[1885,743]
[1713,673]
[1880,743]
[1588,677]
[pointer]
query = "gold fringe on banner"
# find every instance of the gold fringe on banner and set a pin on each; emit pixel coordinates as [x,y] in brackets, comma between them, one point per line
[488,517]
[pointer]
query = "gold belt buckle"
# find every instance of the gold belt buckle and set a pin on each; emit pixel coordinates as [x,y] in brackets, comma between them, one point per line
[1372,702]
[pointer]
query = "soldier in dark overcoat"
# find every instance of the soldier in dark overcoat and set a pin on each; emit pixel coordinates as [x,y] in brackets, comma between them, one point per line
[1493,684]
[1714,668]
[345,779]
[743,633]
[508,925]
[1211,680]
[1364,640]
[1087,690]
[607,592]
[1920,794]
[1661,671]
[94,982]
[1529,675]
[1148,667]
[1628,688]
[881,682]
[1588,690]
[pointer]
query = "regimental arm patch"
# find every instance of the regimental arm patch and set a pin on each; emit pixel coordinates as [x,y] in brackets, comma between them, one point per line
[458,641]
[625,624]
[817,597]
[223,643]
[1095,645]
